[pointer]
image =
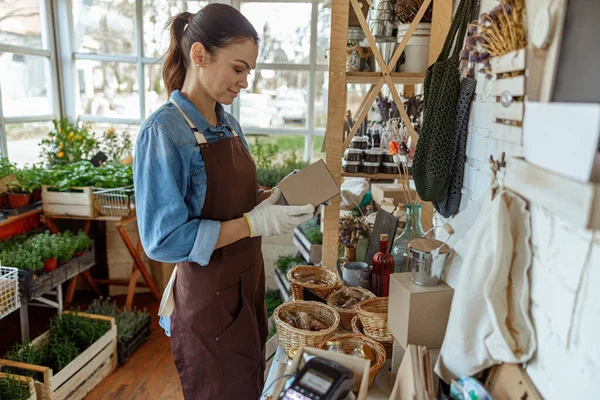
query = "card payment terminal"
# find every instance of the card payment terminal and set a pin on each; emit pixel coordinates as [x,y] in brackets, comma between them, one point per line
[320,379]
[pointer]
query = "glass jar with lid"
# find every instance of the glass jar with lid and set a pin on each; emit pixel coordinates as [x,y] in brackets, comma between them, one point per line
[389,168]
[370,168]
[353,154]
[373,155]
[359,142]
[335,346]
[351,167]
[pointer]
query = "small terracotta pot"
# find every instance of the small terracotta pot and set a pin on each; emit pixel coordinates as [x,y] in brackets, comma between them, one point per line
[79,253]
[36,196]
[50,264]
[18,200]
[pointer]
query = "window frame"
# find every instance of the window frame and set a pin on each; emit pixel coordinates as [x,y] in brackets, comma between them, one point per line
[49,51]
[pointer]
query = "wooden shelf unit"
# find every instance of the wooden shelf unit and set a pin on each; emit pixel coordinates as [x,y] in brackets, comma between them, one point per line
[371,176]
[338,81]
[404,78]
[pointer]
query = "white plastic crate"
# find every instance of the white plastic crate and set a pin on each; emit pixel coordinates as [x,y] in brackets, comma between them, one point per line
[9,291]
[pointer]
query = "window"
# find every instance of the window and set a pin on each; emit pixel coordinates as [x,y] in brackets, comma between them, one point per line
[287,93]
[28,85]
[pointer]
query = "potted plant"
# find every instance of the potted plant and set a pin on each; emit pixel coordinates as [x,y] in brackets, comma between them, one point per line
[66,247]
[350,230]
[68,143]
[82,243]
[133,327]
[76,351]
[19,191]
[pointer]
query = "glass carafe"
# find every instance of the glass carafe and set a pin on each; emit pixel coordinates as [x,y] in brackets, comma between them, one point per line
[412,230]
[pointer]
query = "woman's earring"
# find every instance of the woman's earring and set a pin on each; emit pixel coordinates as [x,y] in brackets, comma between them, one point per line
[197,65]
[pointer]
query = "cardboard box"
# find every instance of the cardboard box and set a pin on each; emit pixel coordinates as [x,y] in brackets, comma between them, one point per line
[312,185]
[418,314]
[416,379]
[359,366]
[380,191]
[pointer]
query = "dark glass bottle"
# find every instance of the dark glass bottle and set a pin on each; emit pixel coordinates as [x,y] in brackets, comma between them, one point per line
[383,267]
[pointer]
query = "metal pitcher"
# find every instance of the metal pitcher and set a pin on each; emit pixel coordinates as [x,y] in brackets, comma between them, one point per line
[354,273]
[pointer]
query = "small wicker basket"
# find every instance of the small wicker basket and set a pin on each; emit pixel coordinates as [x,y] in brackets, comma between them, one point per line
[373,315]
[329,278]
[350,341]
[346,314]
[358,329]
[291,338]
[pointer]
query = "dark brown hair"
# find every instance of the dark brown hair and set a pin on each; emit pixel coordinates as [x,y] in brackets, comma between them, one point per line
[215,26]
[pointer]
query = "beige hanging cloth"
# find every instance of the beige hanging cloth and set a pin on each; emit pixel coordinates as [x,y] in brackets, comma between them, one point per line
[489,319]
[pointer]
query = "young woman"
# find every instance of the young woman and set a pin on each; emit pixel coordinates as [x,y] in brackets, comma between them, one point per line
[198,205]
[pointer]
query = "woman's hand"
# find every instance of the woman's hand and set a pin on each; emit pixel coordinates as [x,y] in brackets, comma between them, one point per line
[269,219]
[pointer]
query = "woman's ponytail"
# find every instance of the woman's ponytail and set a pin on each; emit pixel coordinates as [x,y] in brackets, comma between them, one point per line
[174,67]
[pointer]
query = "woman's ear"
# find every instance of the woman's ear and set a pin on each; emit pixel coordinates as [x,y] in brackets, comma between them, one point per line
[198,55]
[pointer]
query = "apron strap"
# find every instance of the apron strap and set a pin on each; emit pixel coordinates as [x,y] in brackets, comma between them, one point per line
[200,139]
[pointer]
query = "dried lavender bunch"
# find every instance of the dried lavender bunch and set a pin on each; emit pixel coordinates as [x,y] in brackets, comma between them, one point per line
[383,106]
[351,229]
[496,33]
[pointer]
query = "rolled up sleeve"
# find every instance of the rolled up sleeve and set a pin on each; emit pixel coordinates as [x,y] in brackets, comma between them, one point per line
[161,180]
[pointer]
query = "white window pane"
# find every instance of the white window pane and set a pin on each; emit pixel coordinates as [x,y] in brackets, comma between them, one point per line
[26,85]
[108,89]
[284,30]
[321,91]
[156,16]
[274,99]
[23,141]
[317,146]
[156,94]
[323,32]
[22,23]
[104,26]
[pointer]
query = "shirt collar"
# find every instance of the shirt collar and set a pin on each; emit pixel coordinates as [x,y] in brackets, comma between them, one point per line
[194,115]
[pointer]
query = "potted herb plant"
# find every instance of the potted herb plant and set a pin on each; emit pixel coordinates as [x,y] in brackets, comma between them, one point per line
[82,243]
[133,327]
[19,191]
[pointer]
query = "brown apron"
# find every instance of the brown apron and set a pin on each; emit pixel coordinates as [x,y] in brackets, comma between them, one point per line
[219,323]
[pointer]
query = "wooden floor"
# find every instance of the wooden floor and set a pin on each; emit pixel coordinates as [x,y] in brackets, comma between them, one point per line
[148,374]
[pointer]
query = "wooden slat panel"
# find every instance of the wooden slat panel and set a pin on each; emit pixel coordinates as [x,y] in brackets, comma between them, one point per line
[576,202]
[73,210]
[513,112]
[87,373]
[440,25]
[515,86]
[513,61]
[84,359]
[336,111]
[405,78]
[507,133]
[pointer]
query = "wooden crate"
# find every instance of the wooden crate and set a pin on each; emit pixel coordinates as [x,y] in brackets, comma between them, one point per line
[310,252]
[24,379]
[82,374]
[77,204]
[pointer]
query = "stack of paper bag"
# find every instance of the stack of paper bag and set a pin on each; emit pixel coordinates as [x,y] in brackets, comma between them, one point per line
[415,380]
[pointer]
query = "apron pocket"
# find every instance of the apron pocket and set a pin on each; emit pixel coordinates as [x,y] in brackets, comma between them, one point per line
[239,344]
[229,303]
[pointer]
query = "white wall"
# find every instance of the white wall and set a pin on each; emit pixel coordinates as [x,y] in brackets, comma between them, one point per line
[565,276]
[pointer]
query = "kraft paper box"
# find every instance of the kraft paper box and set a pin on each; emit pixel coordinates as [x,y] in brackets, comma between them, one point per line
[311,185]
[398,354]
[380,191]
[418,314]
[359,366]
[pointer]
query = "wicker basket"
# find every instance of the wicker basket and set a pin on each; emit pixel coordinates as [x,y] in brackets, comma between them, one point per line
[321,290]
[291,338]
[373,315]
[346,314]
[358,329]
[350,341]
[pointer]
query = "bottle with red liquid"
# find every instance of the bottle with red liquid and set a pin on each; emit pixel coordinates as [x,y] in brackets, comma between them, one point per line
[383,267]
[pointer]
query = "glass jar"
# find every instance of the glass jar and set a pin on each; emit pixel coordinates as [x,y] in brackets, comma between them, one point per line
[373,156]
[370,168]
[352,167]
[389,168]
[412,230]
[359,142]
[335,346]
[388,158]
[353,155]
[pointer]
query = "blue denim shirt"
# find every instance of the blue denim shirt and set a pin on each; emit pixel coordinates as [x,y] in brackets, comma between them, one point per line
[170,184]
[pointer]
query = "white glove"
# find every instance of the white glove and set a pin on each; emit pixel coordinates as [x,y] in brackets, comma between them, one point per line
[269,219]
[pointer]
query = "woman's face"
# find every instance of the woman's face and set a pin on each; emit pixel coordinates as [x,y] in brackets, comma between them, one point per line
[224,73]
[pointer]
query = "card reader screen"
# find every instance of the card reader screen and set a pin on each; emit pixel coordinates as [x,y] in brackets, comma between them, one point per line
[316,381]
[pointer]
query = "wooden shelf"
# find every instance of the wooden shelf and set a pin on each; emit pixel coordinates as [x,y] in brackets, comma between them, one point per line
[406,78]
[371,176]
[578,203]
